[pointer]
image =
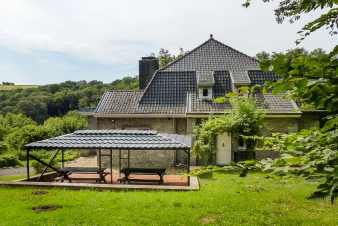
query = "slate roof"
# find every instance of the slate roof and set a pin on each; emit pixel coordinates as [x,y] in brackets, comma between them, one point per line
[127,102]
[213,55]
[170,87]
[111,139]
[205,78]
[258,77]
[174,88]
[119,101]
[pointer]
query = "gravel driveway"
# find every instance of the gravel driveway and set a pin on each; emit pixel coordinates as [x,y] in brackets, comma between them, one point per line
[14,171]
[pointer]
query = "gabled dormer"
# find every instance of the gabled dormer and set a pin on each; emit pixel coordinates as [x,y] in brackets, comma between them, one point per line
[205,83]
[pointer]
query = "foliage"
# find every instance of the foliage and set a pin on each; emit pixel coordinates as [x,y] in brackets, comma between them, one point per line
[165,57]
[42,102]
[310,153]
[71,122]
[9,160]
[15,140]
[310,78]
[11,121]
[226,199]
[294,9]
[244,120]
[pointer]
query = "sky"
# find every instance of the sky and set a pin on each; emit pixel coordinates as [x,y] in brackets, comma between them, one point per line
[48,41]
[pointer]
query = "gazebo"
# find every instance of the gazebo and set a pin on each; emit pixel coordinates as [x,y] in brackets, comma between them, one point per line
[130,141]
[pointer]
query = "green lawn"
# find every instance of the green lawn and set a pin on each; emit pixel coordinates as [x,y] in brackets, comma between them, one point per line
[13,87]
[11,178]
[225,199]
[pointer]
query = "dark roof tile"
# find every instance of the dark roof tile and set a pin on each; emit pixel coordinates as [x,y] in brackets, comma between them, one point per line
[111,139]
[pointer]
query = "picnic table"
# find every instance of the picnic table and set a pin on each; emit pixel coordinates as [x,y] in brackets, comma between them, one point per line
[87,173]
[142,171]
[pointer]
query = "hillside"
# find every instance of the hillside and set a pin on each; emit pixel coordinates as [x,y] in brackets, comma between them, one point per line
[41,102]
[15,87]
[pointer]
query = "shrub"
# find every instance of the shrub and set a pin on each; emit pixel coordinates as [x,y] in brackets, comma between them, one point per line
[8,161]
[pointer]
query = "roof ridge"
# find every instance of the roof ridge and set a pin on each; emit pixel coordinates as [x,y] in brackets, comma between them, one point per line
[124,90]
[186,54]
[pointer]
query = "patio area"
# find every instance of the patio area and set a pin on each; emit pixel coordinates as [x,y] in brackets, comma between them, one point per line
[109,143]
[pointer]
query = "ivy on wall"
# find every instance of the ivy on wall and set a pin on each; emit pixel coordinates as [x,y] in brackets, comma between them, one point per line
[245,120]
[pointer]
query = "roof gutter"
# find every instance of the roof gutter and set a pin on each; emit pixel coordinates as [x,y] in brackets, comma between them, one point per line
[140,116]
[267,115]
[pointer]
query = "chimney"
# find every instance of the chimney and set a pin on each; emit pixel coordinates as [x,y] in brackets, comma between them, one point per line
[147,68]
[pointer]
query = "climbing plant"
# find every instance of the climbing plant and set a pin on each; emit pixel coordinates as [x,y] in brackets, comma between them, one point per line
[245,120]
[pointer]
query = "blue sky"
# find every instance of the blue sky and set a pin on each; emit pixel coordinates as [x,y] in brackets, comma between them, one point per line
[47,41]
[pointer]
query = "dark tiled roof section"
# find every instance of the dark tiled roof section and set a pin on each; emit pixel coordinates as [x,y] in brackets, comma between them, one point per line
[111,139]
[119,101]
[213,55]
[161,108]
[222,83]
[270,103]
[127,102]
[276,103]
[197,105]
[258,77]
[114,131]
[170,88]
[240,77]
[205,78]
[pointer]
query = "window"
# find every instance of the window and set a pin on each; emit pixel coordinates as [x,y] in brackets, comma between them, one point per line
[205,92]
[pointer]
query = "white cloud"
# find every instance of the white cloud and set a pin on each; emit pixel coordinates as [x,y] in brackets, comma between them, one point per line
[120,32]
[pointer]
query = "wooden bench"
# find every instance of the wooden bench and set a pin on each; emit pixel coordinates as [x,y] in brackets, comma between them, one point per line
[142,171]
[87,173]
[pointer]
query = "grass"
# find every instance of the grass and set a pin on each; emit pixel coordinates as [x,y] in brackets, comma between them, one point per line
[225,199]
[14,87]
[12,178]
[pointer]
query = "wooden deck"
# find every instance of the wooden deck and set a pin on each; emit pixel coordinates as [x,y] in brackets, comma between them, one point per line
[168,180]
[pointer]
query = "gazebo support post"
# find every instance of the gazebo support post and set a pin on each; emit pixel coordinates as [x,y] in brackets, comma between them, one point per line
[99,158]
[128,158]
[27,163]
[188,167]
[111,166]
[120,163]
[62,158]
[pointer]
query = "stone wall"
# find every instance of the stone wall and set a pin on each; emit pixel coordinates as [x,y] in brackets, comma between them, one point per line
[165,125]
[141,158]
[283,125]
[147,158]
[309,120]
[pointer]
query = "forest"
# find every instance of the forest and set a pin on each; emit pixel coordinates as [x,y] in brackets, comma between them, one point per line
[42,102]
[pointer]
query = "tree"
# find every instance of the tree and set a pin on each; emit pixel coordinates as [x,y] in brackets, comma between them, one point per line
[67,124]
[310,78]
[165,57]
[10,122]
[294,9]
[53,100]
[15,141]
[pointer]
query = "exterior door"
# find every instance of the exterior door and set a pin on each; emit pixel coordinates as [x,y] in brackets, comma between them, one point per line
[223,153]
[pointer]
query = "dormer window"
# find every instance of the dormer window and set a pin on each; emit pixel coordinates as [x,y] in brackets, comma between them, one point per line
[205,82]
[205,92]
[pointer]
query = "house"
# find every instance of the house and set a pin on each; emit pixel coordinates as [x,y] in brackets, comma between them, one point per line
[176,97]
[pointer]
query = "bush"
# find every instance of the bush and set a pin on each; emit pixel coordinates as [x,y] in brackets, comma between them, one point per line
[8,161]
